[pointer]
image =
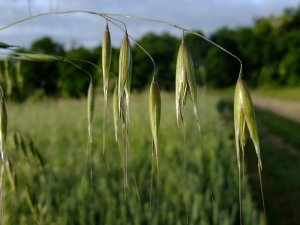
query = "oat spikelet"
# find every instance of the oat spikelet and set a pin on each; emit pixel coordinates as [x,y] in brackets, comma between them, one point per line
[125,66]
[36,57]
[90,108]
[155,112]
[181,84]
[3,128]
[116,111]
[106,60]
[3,134]
[244,117]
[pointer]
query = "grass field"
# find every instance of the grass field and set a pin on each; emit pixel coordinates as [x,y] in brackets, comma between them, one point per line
[57,195]
[279,139]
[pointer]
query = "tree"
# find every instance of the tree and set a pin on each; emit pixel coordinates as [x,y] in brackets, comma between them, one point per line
[42,76]
[221,69]
[75,79]
[163,49]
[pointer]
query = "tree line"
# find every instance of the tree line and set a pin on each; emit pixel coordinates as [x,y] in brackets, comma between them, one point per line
[269,50]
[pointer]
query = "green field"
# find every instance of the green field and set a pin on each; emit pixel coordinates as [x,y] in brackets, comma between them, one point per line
[279,141]
[59,131]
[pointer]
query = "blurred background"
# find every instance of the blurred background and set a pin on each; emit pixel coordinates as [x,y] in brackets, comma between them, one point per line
[47,135]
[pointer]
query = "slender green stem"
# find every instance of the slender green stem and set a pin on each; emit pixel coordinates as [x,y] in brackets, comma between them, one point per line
[1,194]
[185,173]
[125,30]
[205,163]
[262,193]
[240,197]
[151,185]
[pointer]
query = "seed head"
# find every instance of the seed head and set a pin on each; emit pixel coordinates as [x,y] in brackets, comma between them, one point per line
[181,83]
[106,58]
[90,108]
[3,128]
[244,117]
[125,65]
[154,110]
[36,57]
[116,111]
[185,81]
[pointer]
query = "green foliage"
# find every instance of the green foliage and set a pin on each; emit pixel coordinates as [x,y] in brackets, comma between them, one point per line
[222,70]
[74,79]
[163,49]
[42,76]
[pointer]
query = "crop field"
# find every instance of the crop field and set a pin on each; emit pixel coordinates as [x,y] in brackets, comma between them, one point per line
[279,139]
[54,190]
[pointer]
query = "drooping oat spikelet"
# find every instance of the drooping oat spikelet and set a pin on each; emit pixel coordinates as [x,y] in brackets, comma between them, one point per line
[191,80]
[3,134]
[106,60]
[3,128]
[116,111]
[90,108]
[244,117]
[124,69]
[181,83]
[90,113]
[155,112]
[186,83]
[36,57]
[128,86]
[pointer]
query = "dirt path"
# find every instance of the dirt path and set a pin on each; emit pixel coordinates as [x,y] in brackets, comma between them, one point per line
[288,109]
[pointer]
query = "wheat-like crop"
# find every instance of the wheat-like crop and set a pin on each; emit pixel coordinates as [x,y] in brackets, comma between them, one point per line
[106,60]
[185,84]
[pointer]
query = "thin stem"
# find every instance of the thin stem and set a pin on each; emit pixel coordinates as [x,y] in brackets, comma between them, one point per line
[78,67]
[1,194]
[151,186]
[125,30]
[205,163]
[185,173]
[262,193]
[108,18]
[240,197]
[86,160]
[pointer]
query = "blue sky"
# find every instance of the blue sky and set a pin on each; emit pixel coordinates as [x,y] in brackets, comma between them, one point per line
[87,30]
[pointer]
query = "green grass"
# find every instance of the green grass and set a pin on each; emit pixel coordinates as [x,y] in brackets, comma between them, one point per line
[59,130]
[281,155]
[288,130]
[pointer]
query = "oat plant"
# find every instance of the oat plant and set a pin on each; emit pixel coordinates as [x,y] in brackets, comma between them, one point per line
[244,118]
